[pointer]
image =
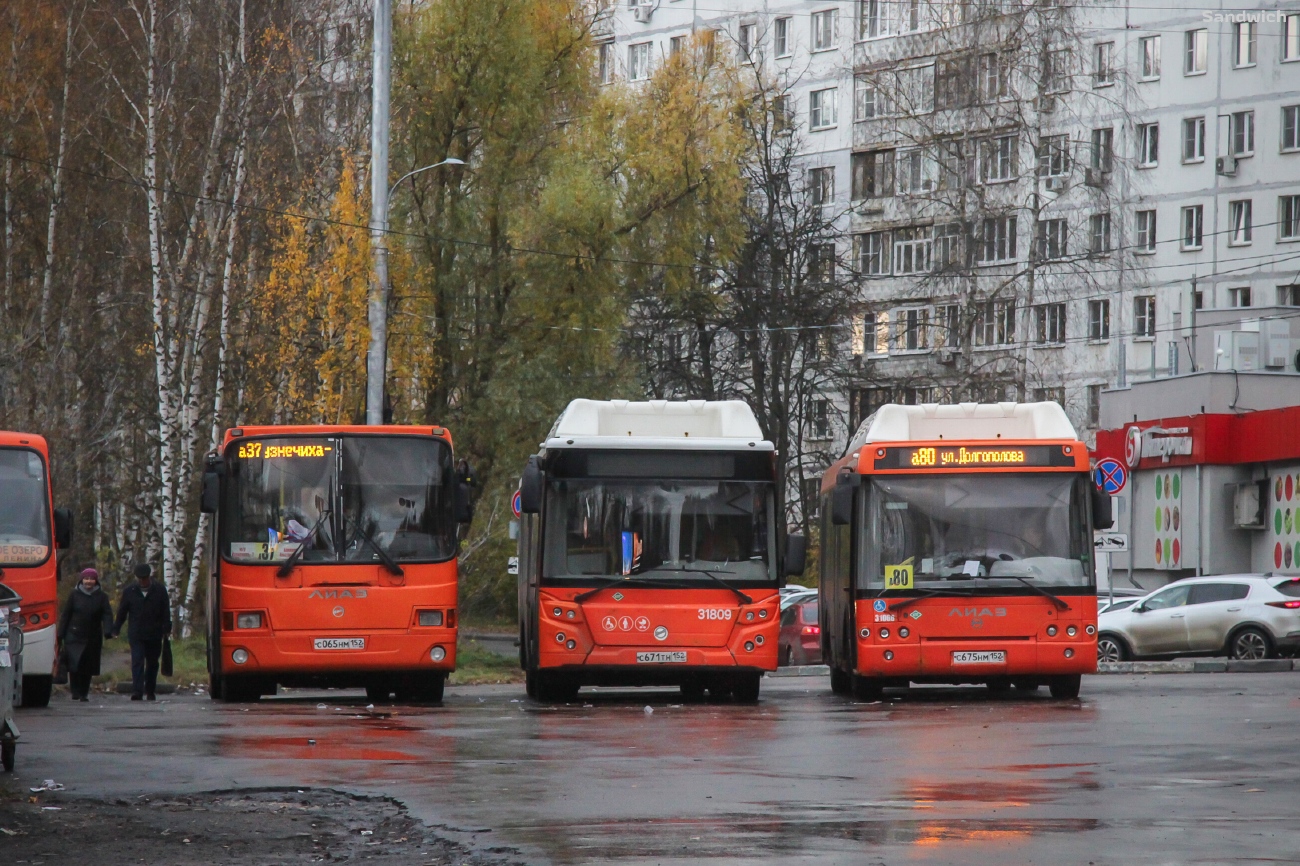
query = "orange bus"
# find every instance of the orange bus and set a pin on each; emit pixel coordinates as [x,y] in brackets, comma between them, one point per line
[29,561]
[957,547]
[333,560]
[649,551]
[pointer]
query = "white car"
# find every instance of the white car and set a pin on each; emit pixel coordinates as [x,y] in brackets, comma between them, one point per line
[1244,616]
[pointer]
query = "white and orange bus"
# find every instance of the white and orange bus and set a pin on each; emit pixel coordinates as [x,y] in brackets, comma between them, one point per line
[333,560]
[32,532]
[652,550]
[957,547]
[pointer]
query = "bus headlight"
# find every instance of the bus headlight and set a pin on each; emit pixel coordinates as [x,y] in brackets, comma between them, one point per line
[430,617]
[889,655]
[248,620]
[239,656]
[559,637]
[1071,631]
[1092,629]
[759,640]
[437,654]
[749,646]
[1051,631]
[1069,653]
[903,632]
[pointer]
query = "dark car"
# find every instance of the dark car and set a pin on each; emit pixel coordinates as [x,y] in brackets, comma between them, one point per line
[800,642]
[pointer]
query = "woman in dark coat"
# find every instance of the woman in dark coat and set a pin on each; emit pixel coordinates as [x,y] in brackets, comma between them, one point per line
[87,618]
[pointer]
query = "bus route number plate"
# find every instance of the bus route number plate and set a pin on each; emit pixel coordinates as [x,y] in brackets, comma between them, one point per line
[994,657]
[340,643]
[654,658]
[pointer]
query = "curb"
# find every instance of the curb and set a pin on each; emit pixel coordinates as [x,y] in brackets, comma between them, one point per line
[1176,666]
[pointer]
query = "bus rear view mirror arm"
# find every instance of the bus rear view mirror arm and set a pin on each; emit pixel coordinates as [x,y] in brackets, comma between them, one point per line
[1101,511]
[530,488]
[842,500]
[796,555]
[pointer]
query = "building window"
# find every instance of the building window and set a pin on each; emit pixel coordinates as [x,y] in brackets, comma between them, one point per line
[956,167]
[875,333]
[782,113]
[1144,316]
[996,323]
[873,174]
[1198,300]
[1240,214]
[1241,132]
[1239,296]
[1103,148]
[998,159]
[781,42]
[1150,58]
[823,29]
[1146,231]
[1291,127]
[991,77]
[820,422]
[747,37]
[1099,233]
[1054,156]
[1057,77]
[948,246]
[821,262]
[1243,44]
[869,100]
[1288,296]
[1052,238]
[912,250]
[1103,68]
[1099,320]
[1288,228]
[911,327]
[1050,395]
[1148,145]
[1291,38]
[1193,226]
[821,186]
[947,325]
[638,61]
[1196,51]
[1094,405]
[676,45]
[913,168]
[872,18]
[1194,139]
[821,108]
[1049,320]
[606,61]
[872,253]
[999,240]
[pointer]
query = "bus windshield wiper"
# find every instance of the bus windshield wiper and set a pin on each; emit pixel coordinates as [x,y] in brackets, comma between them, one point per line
[384,556]
[628,578]
[929,593]
[744,599]
[286,567]
[1056,599]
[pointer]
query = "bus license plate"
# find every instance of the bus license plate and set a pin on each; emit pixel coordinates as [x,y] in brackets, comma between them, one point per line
[995,657]
[661,657]
[340,643]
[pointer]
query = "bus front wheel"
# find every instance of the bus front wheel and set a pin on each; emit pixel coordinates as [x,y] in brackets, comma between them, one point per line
[867,688]
[36,691]
[422,688]
[1066,686]
[746,688]
[240,690]
[841,681]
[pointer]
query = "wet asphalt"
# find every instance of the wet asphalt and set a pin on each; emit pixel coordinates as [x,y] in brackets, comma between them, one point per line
[1156,769]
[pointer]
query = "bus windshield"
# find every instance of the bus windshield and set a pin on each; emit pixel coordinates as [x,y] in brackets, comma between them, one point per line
[24,508]
[978,533]
[340,498]
[661,529]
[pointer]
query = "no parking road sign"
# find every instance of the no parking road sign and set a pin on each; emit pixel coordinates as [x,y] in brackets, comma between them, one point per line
[1110,475]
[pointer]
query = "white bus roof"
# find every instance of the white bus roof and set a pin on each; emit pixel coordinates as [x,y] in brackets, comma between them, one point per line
[964,421]
[696,425]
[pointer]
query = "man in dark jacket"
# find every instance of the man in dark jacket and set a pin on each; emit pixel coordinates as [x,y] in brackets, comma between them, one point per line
[87,619]
[150,612]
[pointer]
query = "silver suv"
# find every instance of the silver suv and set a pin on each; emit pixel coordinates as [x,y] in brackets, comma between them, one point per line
[1244,616]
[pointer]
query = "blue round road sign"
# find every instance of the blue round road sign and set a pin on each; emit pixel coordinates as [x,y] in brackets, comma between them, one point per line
[516,503]
[1110,475]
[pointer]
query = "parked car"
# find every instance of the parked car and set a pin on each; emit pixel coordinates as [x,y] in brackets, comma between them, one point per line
[800,641]
[1105,605]
[795,589]
[1243,616]
[1118,598]
[797,598]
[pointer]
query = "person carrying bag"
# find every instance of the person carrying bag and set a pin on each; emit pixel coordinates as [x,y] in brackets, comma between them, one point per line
[86,620]
[146,604]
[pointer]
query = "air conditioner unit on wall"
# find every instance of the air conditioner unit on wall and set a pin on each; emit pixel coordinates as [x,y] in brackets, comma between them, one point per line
[1055,184]
[1095,177]
[946,355]
[644,11]
[1226,166]
[1249,503]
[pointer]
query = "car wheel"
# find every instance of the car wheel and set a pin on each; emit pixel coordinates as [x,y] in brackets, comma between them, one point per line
[789,657]
[1251,643]
[1066,686]
[1111,649]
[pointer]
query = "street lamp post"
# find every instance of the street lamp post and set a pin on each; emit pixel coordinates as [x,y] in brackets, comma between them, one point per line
[377,354]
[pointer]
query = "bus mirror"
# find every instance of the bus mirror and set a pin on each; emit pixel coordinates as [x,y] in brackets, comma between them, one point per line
[464,493]
[530,488]
[1101,512]
[842,501]
[62,528]
[211,493]
[796,555]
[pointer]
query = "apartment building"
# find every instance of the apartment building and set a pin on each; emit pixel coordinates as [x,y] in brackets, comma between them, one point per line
[1035,198]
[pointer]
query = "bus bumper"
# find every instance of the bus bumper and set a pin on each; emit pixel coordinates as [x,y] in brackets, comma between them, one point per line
[629,665]
[933,661]
[295,652]
[38,652]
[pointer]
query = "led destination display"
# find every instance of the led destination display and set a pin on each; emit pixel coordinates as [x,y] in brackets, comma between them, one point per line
[974,457]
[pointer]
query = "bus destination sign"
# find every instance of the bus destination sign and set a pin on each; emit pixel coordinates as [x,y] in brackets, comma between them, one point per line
[974,457]
[282,449]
